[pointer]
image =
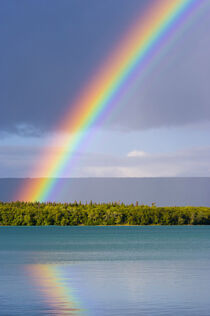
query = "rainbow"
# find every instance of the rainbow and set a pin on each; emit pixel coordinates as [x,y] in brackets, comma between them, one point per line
[55,289]
[128,58]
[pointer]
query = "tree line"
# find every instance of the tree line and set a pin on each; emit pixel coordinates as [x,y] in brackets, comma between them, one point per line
[63,214]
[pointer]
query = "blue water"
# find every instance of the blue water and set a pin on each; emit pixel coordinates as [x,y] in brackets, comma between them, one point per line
[105,270]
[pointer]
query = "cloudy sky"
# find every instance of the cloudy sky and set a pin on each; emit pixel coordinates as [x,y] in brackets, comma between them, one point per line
[49,51]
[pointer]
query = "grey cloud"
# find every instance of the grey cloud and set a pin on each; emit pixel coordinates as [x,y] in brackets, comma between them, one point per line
[19,162]
[191,162]
[176,92]
[49,49]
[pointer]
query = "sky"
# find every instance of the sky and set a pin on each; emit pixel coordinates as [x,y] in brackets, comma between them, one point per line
[49,51]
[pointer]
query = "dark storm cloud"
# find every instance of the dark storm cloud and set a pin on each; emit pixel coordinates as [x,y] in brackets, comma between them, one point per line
[176,92]
[49,49]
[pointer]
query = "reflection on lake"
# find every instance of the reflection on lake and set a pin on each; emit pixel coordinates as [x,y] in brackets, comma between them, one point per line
[105,270]
[55,287]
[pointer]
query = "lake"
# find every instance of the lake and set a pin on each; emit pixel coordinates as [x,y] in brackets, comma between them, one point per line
[155,270]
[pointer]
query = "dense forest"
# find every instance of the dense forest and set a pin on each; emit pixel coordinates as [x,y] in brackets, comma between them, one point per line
[20,213]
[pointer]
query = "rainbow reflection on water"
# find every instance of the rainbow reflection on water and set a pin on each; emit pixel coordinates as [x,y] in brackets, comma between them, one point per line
[56,289]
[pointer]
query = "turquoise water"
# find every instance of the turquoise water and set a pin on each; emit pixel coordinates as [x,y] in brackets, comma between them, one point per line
[105,270]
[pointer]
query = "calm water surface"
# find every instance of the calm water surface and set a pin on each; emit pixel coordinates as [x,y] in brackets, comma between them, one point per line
[105,270]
